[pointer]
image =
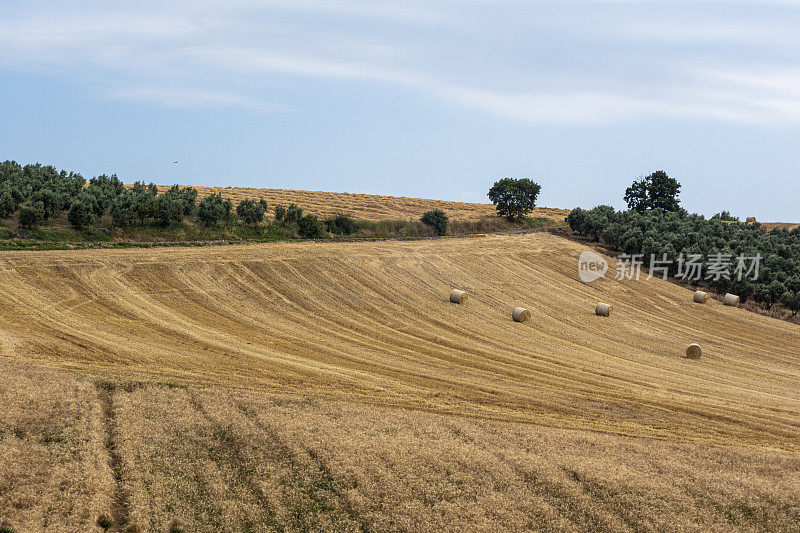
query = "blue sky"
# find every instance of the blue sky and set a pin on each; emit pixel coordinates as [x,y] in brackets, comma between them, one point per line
[435,98]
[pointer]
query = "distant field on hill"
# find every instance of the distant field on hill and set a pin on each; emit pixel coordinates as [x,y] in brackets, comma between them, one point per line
[366,206]
[772,225]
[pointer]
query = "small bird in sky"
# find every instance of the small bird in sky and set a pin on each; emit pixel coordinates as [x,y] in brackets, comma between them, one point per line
[175,162]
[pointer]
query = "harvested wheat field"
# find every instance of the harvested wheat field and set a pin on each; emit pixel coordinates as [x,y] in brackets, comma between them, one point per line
[367,206]
[784,225]
[330,386]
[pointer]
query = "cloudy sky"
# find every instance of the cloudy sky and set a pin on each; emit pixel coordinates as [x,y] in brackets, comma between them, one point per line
[433,98]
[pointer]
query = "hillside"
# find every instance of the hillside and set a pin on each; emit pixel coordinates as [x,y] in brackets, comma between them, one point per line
[332,386]
[366,206]
[371,322]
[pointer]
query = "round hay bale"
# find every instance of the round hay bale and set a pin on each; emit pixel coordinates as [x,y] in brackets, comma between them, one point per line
[603,309]
[731,299]
[520,314]
[700,297]
[693,351]
[458,297]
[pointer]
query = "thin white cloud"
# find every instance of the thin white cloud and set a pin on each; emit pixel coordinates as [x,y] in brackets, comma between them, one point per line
[192,99]
[525,61]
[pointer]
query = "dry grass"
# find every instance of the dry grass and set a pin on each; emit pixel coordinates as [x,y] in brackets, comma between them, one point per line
[222,461]
[193,455]
[371,322]
[54,470]
[772,225]
[366,206]
[349,394]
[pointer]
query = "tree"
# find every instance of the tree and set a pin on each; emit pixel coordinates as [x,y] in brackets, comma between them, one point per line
[144,200]
[189,200]
[664,191]
[250,211]
[514,198]
[50,199]
[791,299]
[169,208]
[636,196]
[341,225]
[104,189]
[124,210]
[280,212]
[656,191]
[770,294]
[7,204]
[31,215]
[437,220]
[310,227]
[726,216]
[293,214]
[213,208]
[612,235]
[80,214]
[576,219]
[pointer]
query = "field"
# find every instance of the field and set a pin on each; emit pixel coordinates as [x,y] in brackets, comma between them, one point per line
[773,225]
[331,386]
[366,206]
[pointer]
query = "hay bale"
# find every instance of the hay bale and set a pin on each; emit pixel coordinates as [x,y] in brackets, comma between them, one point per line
[700,297]
[731,299]
[750,220]
[603,309]
[520,314]
[693,351]
[458,297]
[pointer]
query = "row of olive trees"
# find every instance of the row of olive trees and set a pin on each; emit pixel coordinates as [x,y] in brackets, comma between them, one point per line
[656,227]
[668,235]
[36,193]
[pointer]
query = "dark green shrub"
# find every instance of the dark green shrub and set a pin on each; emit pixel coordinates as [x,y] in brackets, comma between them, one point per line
[189,197]
[213,209]
[7,203]
[293,214]
[80,214]
[250,211]
[341,225]
[310,227]
[280,212]
[31,216]
[51,201]
[791,300]
[437,220]
[169,208]
[725,215]
[124,210]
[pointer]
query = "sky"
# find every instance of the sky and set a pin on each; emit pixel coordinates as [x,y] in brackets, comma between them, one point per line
[424,98]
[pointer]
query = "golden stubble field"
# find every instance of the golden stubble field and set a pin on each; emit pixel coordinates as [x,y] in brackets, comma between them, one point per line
[330,386]
[366,206]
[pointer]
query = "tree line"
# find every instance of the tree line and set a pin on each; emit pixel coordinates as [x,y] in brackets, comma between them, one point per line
[656,227]
[35,193]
